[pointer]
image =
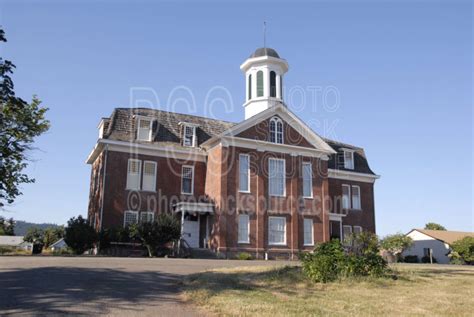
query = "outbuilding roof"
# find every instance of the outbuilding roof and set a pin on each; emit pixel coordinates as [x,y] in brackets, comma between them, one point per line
[445,236]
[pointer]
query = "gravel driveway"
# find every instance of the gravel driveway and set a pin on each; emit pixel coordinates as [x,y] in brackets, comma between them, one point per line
[41,285]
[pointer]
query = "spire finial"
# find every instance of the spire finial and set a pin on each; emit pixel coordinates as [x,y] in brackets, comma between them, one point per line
[264,34]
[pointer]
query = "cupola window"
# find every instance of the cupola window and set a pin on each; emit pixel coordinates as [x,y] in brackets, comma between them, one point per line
[250,87]
[260,83]
[273,84]
[276,130]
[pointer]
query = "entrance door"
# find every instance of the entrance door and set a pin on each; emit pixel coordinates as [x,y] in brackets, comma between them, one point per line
[335,229]
[191,230]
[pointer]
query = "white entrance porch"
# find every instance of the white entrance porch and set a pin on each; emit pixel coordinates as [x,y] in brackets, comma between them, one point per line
[195,226]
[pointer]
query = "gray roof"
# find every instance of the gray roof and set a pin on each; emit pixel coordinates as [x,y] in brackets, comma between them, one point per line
[11,240]
[265,51]
[121,126]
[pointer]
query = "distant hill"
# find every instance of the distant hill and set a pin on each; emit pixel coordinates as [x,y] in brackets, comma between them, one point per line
[21,227]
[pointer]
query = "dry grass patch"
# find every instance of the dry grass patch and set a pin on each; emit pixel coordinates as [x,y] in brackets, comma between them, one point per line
[420,290]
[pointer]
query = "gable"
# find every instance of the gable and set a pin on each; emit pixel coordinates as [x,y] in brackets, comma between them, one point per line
[261,132]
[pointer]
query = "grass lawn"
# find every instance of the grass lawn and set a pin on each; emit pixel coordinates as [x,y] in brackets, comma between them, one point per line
[420,290]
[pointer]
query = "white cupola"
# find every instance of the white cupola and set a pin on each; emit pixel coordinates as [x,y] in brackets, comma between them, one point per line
[264,71]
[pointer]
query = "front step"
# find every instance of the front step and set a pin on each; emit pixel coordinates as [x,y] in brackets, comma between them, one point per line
[203,254]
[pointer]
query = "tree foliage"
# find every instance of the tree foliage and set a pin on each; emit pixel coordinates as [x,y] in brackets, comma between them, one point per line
[51,235]
[20,123]
[434,226]
[7,227]
[80,235]
[396,243]
[34,235]
[163,230]
[464,249]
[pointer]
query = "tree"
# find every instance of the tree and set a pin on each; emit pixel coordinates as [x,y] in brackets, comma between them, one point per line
[34,235]
[80,235]
[396,243]
[20,123]
[51,235]
[7,227]
[434,226]
[163,230]
[464,248]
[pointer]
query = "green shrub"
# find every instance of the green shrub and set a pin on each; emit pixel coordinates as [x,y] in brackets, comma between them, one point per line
[80,235]
[330,262]
[465,249]
[411,259]
[244,256]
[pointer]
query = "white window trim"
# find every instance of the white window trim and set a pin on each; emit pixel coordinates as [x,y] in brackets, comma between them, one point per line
[310,179]
[276,120]
[147,212]
[192,179]
[352,159]
[312,232]
[284,177]
[130,212]
[139,174]
[248,229]
[194,138]
[360,200]
[359,228]
[154,178]
[284,235]
[150,128]
[248,173]
[349,194]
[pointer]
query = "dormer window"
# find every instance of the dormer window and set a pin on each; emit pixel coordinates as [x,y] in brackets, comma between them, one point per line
[349,159]
[276,130]
[189,135]
[144,129]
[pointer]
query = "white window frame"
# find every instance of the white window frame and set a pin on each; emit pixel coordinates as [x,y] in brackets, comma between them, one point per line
[193,137]
[353,229]
[147,213]
[352,197]
[343,232]
[127,186]
[247,240]
[275,133]
[310,179]
[349,198]
[153,185]
[130,212]
[305,220]
[148,137]
[284,233]
[248,173]
[270,177]
[192,179]
[347,164]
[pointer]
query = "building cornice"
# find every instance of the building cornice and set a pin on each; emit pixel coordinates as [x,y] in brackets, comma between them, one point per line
[352,176]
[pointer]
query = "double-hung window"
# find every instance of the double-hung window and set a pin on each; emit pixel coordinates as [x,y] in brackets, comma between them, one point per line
[149,176]
[129,218]
[276,177]
[277,230]
[308,231]
[133,174]
[357,229]
[189,135]
[346,197]
[356,197]
[276,130]
[244,173]
[243,229]
[187,179]
[349,159]
[147,216]
[307,180]
[144,129]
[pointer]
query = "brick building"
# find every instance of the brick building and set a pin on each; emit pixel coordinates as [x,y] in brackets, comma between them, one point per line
[267,185]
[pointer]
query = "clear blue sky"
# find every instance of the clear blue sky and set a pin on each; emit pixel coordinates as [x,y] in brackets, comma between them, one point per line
[403,70]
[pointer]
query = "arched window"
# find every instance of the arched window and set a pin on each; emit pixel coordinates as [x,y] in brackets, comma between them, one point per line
[260,83]
[273,90]
[250,87]
[276,130]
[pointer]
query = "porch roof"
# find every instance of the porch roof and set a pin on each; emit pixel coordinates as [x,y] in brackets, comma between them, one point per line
[193,207]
